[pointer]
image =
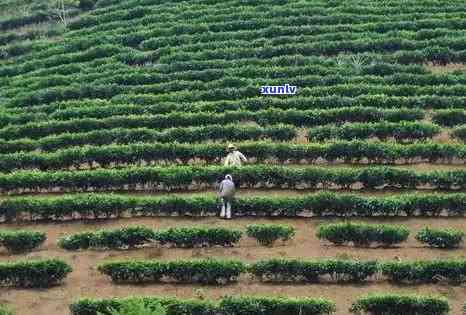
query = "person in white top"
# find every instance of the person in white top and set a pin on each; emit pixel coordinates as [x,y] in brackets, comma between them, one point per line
[234,157]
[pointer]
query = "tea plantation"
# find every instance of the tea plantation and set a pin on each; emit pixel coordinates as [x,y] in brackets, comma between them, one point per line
[115,117]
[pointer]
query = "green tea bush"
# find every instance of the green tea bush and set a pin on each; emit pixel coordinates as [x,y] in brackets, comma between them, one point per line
[87,130]
[441,238]
[267,234]
[403,131]
[321,204]
[126,151]
[130,236]
[33,273]
[269,305]
[450,270]
[126,237]
[313,271]
[230,305]
[460,133]
[449,117]
[361,234]
[87,4]
[190,237]
[135,307]
[397,304]
[4,310]
[191,177]
[208,271]
[136,117]
[21,241]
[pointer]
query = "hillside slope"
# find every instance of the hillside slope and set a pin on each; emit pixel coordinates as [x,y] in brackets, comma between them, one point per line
[141,97]
[125,71]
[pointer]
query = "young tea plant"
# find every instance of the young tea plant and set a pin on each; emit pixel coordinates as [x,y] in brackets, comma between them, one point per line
[441,238]
[362,234]
[268,234]
[138,307]
[21,241]
[5,310]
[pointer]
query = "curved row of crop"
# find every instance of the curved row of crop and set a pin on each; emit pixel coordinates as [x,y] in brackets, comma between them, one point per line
[361,234]
[234,305]
[293,64]
[323,204]
[263,117]
[105,74]
[222,89]
[460,133]
[33,273]
[107,156]
[403,132]
[214,271]
[228,305]
[196,178]
[132,236]
[38,129]
[86,108]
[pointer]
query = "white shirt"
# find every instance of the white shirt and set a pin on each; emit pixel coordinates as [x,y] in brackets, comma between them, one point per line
[226,189]
[235,158]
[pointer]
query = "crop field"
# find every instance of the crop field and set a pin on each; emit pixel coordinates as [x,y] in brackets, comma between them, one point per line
[115,117]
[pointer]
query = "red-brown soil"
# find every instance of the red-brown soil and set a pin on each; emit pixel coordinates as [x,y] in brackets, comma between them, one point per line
[86,281]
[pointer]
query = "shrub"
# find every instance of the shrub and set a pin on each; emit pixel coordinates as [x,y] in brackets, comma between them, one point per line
[361,234]
[118,146]
[33,274]
[138,307]
[460,133]
[449,117]
[442,238]
[320,204]
[403,131]
[134,271]
[313,271]
[119,238]
[4,310]
[231,305]
[259,306]
[192,177]
[77,241]
[138,235]
[87,4]
[395,304]
[267,234]
[21,241]
[425,271]
[208,271]
[198,236]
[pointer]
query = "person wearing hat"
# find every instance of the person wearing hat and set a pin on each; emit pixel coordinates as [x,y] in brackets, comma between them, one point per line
[234,157]
[226,193]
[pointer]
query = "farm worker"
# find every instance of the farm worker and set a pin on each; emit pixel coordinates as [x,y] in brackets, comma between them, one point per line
[226,192]
[234,157]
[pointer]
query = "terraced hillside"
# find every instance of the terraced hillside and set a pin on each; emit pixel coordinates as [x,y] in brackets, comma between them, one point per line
[118,113]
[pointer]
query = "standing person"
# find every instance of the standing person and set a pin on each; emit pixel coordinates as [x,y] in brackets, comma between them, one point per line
[234,157]
[226,192]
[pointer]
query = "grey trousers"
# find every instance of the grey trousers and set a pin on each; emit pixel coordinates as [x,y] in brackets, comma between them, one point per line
[226,208]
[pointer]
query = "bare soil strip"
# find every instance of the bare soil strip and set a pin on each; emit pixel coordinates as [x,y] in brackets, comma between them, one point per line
[85,281]
[247,192]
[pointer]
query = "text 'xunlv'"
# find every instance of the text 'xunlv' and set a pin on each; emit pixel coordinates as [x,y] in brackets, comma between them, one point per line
[278,90]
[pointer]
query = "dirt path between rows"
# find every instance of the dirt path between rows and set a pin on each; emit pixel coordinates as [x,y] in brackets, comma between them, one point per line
[244,192]
[85,281]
